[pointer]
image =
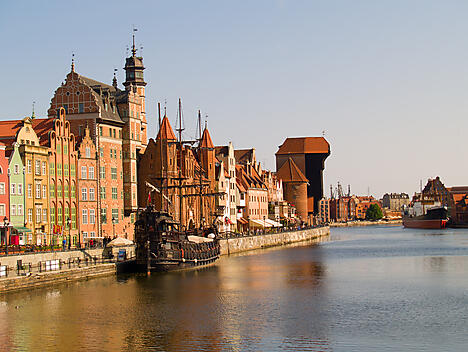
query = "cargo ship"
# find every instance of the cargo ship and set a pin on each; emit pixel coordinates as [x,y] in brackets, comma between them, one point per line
[435,217]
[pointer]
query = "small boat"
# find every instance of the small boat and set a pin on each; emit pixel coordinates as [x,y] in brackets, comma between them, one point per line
[162,246]
[434,218]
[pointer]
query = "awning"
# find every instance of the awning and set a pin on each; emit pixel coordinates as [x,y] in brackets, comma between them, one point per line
[259,223]
[273,223]
[21,229]
[242,221]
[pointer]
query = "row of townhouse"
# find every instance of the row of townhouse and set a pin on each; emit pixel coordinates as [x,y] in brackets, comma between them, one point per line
[49,187]
[345,208]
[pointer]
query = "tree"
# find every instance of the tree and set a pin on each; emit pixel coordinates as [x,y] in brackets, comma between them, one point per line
[374,212]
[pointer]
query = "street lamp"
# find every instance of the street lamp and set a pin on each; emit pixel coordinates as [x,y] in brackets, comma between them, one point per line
[264,223]
[113,226]
[69,234]
[5,226]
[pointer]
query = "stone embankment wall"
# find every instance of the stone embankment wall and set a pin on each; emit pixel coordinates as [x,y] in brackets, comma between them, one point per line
[35,258]
[54,277]
[365,223]
[242,244]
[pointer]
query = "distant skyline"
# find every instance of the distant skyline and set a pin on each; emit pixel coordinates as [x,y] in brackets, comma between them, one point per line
[387,81]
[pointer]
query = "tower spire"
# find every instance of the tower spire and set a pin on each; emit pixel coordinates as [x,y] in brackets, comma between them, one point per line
[133,44]
[73,63]
[114,80]
[33,115]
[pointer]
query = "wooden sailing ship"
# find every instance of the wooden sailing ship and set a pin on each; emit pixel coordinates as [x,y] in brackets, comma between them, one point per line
[164,244]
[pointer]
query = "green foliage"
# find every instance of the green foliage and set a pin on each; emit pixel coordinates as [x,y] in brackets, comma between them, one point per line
[374,212]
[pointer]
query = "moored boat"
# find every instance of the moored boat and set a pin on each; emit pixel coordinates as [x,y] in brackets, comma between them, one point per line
[434,218]
[161,246]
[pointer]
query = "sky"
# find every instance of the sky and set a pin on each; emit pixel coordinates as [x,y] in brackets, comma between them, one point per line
[386,82]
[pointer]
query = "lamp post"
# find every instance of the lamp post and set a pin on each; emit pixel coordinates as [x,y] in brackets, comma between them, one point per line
[113,227]
[5,226]
[264,223]
[69,234]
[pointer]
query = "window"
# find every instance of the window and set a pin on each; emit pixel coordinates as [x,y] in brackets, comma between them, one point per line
[59,191]
[59,215]
[16,169]
[84,216]
[92,234]
[20,209]
[52,216]
[91,173]
[29,163]
[80,107]
[83,172]
[73,191]
[102,172]
[44,167]
[104,215]
[30,215]
[114,192]
[101,152]
[37,169]
[120,134]
[52,169]
[73,218]
[44,191]
[88,152]
[103,192]
[20,188]
[91,194]
[65,191]
[52,190]
[100,131]
[114,173]
[2,209]
[38,215]
[111,153]
[59,169]
[115,216]
[12,188]
[65,149]
[84,194]
[65,170]
[72,170]
[29,190]
[85,234]
[38,191]
[2,187]
[92,216]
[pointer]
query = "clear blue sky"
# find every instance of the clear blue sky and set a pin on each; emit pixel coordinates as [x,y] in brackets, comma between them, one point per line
[386,80]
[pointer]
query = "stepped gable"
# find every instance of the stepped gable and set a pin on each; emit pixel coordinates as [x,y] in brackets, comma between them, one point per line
[206,141]
[301,145]
[165,131]
[243,155]
[289,172]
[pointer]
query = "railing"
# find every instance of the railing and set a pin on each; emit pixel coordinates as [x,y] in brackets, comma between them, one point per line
[260,232]
[28,269]
[31,248]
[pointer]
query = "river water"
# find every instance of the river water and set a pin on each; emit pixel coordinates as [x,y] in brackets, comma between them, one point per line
[367,289]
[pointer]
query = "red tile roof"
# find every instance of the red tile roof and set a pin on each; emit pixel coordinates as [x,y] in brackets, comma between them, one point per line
[206,141]
[289,172]
[304,145]
[166,132]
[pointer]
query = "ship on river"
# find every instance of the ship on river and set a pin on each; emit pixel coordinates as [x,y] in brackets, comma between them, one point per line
[420,216]
[162,246]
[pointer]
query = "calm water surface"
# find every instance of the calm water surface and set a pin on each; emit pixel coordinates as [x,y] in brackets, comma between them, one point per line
[367,289]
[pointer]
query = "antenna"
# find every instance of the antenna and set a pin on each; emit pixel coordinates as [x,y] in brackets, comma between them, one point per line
[159,115]
[165,103]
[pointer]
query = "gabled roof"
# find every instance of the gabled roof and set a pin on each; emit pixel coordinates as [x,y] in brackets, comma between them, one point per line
[206,141]
[243,155]
[304,145]
[289,172]
[166,132]
[9,130]
[222,150]
[42,127]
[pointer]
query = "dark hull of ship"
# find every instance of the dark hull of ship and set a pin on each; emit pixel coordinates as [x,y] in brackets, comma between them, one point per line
[421,223]
[174,265]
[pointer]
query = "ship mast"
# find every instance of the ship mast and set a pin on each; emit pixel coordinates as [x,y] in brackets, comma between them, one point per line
[179,130]
[200,173]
